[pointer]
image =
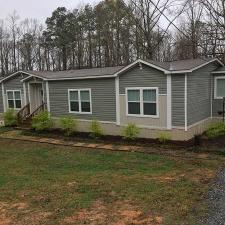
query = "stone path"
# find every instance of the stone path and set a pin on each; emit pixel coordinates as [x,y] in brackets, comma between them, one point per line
[17,135]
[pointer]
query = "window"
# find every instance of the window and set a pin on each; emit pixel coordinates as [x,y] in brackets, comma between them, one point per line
[142,102]
[14,99]
[219,87]
[80,101]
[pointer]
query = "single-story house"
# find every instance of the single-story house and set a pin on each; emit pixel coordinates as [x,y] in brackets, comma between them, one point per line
[179,97]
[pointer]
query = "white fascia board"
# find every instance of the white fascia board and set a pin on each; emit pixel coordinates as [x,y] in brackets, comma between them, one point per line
[218,72]
[143,62]
[82,78]
[195,68]
[30,76]
[12,75]
[21,72]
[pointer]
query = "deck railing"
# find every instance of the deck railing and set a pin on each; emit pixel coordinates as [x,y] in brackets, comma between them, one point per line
[23,113]
[41,108]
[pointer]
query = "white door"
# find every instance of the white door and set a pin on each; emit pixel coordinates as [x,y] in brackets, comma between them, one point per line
[36,96]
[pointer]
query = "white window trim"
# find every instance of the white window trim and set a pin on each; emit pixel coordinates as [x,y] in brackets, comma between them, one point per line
[14,100]
[141,115]
[215,86]
[79,100]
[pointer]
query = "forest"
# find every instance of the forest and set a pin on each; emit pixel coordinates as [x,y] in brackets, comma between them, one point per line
[113,32]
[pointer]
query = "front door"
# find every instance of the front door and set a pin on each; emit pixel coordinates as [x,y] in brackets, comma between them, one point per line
[36,96]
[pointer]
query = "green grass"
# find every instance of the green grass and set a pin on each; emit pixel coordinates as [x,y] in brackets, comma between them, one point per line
[63,180]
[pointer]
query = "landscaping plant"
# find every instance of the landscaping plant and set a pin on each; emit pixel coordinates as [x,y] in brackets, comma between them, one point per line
[68,125]
[42,121]
[164,137]
[95,129]
[131,131]
[216,130]
[10,118]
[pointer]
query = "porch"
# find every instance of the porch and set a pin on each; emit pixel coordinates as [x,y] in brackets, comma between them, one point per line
[34,101]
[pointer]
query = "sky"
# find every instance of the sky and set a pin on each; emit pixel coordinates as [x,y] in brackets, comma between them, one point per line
[37,9]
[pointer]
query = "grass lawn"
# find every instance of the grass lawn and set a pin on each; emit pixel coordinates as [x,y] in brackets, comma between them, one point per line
[46,184]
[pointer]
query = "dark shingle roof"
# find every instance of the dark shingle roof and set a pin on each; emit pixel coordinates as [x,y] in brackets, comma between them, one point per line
[173,67]
[180,65]
[81,73]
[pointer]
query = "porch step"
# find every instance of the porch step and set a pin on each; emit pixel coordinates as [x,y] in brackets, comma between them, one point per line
[26,123]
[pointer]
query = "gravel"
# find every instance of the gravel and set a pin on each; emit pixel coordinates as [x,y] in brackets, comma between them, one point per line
[216,199]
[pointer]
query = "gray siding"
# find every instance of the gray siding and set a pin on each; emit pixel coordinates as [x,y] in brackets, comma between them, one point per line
[177,86]
[103,98]
[147,77]
[14,83]
[199,94]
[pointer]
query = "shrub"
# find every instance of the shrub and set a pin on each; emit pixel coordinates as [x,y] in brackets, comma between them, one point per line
[42,121]
[69,125]
[215,130]
[164,137]
[131,131]
[96,130]
[10,118]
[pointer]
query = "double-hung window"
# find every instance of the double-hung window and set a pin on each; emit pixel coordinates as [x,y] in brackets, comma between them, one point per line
[142,102]
[219,87]
[80,101]
[14,99]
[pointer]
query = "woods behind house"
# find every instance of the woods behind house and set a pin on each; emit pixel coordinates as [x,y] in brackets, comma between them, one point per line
[113,32]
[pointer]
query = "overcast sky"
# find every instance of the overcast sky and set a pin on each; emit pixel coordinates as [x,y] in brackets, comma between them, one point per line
[39,9]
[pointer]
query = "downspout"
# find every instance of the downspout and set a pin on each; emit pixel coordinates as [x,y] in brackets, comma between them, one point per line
[117,88]
[185,101]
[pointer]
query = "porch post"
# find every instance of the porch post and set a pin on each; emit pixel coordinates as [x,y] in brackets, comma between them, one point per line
[117,101]
[24,93]
[169,102]
[47,96]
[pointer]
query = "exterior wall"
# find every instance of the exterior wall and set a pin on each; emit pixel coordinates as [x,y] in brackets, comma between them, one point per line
[160,122]
[217,104]
[145,77]
[14,83]
[103,98]
[176,134]
[199,94]
[178,108]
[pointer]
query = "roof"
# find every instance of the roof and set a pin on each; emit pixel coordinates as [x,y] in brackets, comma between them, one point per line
[219,70]
[174,67]
[79,73]
[181,65]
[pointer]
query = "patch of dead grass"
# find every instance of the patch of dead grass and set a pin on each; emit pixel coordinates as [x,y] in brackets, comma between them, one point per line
[121,213]
[8,215]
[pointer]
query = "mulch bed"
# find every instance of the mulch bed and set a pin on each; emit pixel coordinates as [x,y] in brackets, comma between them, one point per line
[108,139]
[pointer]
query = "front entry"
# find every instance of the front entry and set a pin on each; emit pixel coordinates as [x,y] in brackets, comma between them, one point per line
[36,96]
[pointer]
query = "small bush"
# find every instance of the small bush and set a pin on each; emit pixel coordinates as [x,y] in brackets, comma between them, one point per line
[131,131]
[68,125]
[10,118]
[42,121]
[96,130]
[164,137]
[215,130]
